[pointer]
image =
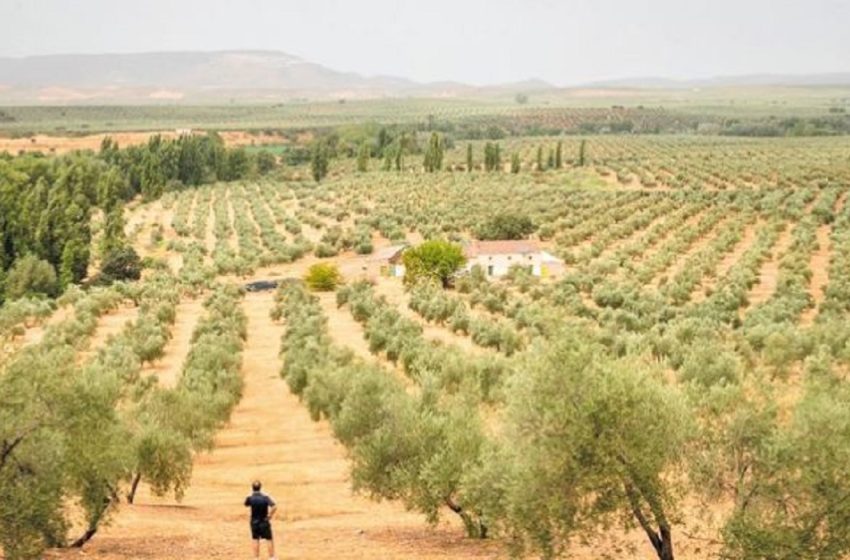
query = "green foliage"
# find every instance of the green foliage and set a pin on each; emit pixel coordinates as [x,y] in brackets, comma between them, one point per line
[319,159]
[604,430]
[434,153]
[323,277]
[506,226]
[119,264]
[363,155]
[515,163]
[492,157]
[469,161]
[436,259]
[30,276]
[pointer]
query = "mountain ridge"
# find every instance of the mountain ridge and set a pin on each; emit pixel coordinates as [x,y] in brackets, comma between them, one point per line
[186,76]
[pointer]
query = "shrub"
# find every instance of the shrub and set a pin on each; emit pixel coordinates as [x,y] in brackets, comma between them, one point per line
[31,276]
[323,277]
[121,263]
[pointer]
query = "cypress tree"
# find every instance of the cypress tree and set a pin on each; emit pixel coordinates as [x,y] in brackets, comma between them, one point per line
[468,158]
[550,161]
[539,158]
[515,163]
[363,158]
[581,153]
[558,150]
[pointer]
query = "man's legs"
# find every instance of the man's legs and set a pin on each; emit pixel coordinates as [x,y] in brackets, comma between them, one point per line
[256,545]
[271,548]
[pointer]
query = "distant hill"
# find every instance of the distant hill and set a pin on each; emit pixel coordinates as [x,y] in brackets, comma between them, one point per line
[194,76]
[249,75]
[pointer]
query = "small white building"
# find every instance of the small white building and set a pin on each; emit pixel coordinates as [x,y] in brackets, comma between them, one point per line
[387,261]
[497,257]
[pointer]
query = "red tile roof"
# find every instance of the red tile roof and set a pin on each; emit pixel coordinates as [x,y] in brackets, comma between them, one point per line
[522,247]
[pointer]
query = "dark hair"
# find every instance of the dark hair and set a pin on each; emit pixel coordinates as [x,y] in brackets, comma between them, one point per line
[256,485]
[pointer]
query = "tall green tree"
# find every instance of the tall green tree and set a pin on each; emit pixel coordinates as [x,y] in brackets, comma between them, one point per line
[319,160]
[469,161]
[363,155]
[540,159]
[606,431]
[558,155]
[435,259]
[433,160]
[515,163]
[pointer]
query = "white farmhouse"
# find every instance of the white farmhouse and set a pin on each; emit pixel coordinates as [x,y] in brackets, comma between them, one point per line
[497,257]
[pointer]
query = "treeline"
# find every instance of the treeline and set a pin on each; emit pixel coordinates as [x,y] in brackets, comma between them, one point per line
[46,203]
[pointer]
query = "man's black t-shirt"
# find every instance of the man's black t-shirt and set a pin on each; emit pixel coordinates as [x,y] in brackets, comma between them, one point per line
[259,504]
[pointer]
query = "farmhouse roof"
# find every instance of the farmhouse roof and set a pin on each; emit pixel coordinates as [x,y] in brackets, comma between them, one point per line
[387,253]
[520,247]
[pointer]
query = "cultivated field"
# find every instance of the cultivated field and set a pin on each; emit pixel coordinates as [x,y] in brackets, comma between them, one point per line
[715,267]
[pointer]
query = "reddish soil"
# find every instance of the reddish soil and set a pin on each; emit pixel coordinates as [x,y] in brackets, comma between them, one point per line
[769,273]
[64,144]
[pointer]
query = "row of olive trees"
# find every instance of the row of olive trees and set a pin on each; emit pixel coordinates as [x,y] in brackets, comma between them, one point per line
[619,441]
[90,431]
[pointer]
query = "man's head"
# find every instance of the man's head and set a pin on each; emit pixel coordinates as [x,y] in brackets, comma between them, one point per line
[256,485]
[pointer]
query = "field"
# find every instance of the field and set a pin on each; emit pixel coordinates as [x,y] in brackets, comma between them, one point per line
[709,271]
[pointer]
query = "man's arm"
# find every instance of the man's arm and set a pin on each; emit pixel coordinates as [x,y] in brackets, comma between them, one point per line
[272,509]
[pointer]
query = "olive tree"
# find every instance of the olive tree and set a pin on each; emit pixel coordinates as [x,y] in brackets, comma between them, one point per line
[589,439]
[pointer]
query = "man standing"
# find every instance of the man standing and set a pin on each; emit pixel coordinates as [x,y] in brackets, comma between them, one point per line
[263,509]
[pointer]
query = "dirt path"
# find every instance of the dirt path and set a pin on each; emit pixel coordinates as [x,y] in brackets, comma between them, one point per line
[167,369]
[769,273]
[272,437]
[819,265]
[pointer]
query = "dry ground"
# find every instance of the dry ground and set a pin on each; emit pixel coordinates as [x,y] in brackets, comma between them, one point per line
[272,437]
[63,144]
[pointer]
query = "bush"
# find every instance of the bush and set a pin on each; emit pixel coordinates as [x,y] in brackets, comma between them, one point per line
[120,263]
[323,277]
[31,276]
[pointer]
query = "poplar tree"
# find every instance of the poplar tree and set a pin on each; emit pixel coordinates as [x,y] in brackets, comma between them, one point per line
[363,158]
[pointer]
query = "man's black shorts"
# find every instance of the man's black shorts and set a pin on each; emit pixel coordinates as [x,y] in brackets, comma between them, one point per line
[261,530]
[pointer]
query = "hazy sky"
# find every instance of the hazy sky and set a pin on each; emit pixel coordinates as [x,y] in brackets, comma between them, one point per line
[478,41]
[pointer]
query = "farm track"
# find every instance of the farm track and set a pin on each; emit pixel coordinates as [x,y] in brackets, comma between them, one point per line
[271,437]
[167,368]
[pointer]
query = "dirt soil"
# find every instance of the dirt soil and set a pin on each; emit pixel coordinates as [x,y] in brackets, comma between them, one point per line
[271,437]
[64,144]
